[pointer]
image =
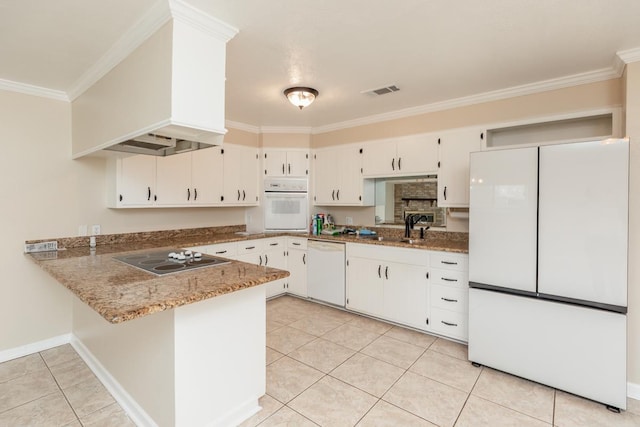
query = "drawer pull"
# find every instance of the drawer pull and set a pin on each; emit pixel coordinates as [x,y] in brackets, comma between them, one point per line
[449,280]
[250,247]
[449,262]
[273,244]
[295,244]
[449,324]
[448,299]
[221,252]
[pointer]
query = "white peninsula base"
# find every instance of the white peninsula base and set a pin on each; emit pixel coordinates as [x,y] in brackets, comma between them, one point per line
[201,364]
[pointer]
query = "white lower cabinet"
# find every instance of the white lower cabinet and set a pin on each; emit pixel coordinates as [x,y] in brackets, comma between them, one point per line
[390,283]
[268,253]
[401,285]
[297,266]
[364,284]
[449,295]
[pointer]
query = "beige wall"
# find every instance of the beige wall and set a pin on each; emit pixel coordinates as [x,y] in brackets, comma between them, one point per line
[578,98]
[285,140]
[46,194]
[633,131]
[242,137]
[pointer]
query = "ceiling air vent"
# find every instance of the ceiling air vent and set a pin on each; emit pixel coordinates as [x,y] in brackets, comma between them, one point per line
[381,90]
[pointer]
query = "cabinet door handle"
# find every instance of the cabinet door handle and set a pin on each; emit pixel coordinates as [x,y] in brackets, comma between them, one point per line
[304,259]
[446,279]
[449,262]
[148,193]
[399,163]
[250,247]
[393,164]
[260,260]
[386,272]
[244,195]
[266,259]
[283,169]
[338,194]
[195,194]
[120,197]
[379,267]
[333,194]
[449,324]
[273,244]
[289,168]
[448,299]
[188,194]
[221,252]
[295,243]
[238,195]
[445,192]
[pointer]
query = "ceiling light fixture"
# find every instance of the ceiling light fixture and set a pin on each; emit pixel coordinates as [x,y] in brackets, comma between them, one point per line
[301,96]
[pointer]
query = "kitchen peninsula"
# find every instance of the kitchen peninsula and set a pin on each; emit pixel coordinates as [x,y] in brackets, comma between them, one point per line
[184,349]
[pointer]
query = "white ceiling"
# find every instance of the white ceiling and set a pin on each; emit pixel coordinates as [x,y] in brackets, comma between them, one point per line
[434,50]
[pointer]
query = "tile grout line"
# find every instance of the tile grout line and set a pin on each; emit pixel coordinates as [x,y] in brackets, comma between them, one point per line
[61,390]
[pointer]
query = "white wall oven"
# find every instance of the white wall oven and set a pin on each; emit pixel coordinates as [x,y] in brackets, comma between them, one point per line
[286,205]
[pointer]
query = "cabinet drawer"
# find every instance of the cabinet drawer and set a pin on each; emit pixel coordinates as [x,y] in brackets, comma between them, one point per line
[449,298]
[450,278]
[250,246]
[226,250]
[449,323]
[273,244]
[296,243]
[449,261]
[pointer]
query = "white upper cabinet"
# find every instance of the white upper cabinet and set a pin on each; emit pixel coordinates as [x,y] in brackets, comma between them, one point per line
[279,162]
[453,173]
[338,178]
[193,178]
[240,175]
[132,181]
[405,156]
[207,174]
[173,179]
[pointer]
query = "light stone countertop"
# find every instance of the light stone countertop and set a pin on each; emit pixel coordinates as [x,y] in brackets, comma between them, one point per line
[119,292]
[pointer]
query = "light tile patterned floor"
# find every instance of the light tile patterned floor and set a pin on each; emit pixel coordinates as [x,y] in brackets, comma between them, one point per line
[324,367]
[332,368]
[55,388]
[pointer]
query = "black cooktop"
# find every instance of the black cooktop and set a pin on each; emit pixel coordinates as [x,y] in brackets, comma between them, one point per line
[170,261]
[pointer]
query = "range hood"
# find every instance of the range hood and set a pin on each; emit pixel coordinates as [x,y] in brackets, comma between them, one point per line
[165,97]
[155,144]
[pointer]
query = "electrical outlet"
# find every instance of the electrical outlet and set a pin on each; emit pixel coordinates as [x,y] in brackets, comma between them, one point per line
[41,247]
[95,230]
[349,220]
[82,230]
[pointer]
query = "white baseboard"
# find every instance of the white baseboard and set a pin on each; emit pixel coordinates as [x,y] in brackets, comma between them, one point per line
[633,391]
[135,412]
[34,347]
[238,415]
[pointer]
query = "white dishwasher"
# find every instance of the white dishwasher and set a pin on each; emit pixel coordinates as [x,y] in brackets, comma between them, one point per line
[326,272]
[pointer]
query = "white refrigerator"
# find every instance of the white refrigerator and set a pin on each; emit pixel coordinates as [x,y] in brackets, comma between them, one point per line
[548,231]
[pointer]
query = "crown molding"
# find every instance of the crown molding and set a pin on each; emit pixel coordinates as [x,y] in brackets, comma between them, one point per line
[242,126]
[28,89]
[145,27]
[287,129]
[184,12]
[512,92]
[629,55]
